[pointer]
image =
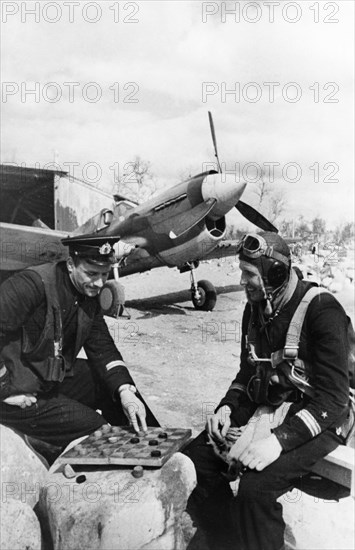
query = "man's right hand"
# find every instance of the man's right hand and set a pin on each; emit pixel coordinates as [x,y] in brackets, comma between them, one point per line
[134,409]
[25,400]
[218,424]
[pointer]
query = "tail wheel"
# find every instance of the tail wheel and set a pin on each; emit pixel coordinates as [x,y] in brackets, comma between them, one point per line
[206,296]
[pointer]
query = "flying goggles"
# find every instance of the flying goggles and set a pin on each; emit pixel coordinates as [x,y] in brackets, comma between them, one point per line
[254,246]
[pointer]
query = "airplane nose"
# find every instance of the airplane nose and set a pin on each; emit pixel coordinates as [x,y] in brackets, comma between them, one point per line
[223,188]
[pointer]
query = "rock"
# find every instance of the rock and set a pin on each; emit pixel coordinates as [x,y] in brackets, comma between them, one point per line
[316,523]
[19,527]
[113,510]
[22,472]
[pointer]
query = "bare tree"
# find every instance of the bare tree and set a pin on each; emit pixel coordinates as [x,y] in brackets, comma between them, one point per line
[319,227]
[138,181]
[276,206]
[344,233]
[262,191]
[271,200]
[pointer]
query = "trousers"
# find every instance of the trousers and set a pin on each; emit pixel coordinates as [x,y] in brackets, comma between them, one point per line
[251,520]
[68,412]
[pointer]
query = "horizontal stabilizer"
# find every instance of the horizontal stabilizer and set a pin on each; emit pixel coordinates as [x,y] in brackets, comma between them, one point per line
[22,246]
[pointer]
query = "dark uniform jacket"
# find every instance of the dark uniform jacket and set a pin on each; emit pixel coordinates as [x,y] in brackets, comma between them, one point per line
[24,315]
[323,345]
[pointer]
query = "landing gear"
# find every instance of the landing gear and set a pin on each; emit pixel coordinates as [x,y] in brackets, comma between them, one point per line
[112,297]
[205,296]
[203,293]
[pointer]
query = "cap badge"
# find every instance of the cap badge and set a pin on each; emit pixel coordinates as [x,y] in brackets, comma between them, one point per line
[105,248]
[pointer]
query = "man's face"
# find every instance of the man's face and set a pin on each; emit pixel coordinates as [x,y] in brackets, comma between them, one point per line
[88,278]
[252,282]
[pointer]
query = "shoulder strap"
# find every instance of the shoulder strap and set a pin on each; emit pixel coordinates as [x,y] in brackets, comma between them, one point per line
[48,274]
[294,330]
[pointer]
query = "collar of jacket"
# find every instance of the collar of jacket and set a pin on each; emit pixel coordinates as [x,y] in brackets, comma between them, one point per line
[282,299]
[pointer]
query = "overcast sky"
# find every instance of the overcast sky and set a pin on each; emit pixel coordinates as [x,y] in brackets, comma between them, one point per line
[156,68]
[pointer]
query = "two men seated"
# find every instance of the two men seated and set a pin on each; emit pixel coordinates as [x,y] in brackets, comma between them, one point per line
[49,312]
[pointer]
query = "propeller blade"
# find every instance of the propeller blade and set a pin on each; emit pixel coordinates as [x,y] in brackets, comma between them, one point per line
[214,140]
[255,217]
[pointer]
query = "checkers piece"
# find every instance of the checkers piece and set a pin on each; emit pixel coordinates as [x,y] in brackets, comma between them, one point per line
[155,453]
[134,440]
[137,471]
[163,435]
[153,442]
[68,471]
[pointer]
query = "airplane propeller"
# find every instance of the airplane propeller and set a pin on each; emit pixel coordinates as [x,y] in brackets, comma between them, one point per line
[214,141]
[245,209]
[255,217]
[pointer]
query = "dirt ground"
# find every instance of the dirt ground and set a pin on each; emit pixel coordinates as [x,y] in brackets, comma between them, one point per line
[181,359]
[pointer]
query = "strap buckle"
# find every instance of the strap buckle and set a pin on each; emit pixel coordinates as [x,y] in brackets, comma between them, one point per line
[290,353]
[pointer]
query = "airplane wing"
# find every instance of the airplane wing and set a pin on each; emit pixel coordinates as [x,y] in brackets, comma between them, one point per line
[23,245]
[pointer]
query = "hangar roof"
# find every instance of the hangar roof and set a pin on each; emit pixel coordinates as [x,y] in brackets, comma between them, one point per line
[22,178]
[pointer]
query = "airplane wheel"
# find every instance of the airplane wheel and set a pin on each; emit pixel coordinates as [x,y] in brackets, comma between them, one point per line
[112,298]
[208,296]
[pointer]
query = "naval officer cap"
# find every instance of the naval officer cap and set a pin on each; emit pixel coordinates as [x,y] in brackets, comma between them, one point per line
[98,250]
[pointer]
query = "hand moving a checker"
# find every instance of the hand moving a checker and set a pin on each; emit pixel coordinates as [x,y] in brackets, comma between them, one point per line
[132,407]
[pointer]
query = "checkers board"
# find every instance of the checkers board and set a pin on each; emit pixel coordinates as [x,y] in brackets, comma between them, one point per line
[122,446]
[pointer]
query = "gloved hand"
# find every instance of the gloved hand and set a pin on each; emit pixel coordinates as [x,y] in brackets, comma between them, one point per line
[259,454]
[25,400]
[219,423]
[133,409]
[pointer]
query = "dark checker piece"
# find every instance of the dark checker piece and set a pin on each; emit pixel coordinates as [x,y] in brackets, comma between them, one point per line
[121,446]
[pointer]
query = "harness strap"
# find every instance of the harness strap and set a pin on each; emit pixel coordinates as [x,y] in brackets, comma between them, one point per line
[293,336]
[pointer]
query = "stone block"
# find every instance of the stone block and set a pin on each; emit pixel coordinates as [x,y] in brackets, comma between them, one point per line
[19,527]
[112,510]
[22,473]
[317,524]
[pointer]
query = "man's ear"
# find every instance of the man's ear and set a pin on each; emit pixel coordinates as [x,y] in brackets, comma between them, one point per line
[70,264]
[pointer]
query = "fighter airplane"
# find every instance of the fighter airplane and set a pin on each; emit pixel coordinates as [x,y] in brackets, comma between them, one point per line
[178,227]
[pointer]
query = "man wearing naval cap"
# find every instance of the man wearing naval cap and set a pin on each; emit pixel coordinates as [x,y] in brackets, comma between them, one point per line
[306,412]
[48,313]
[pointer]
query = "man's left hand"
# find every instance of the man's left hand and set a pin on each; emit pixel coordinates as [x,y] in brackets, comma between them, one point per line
[261,453]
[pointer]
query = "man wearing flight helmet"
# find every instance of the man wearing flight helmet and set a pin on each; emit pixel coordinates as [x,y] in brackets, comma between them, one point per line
[317,396]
